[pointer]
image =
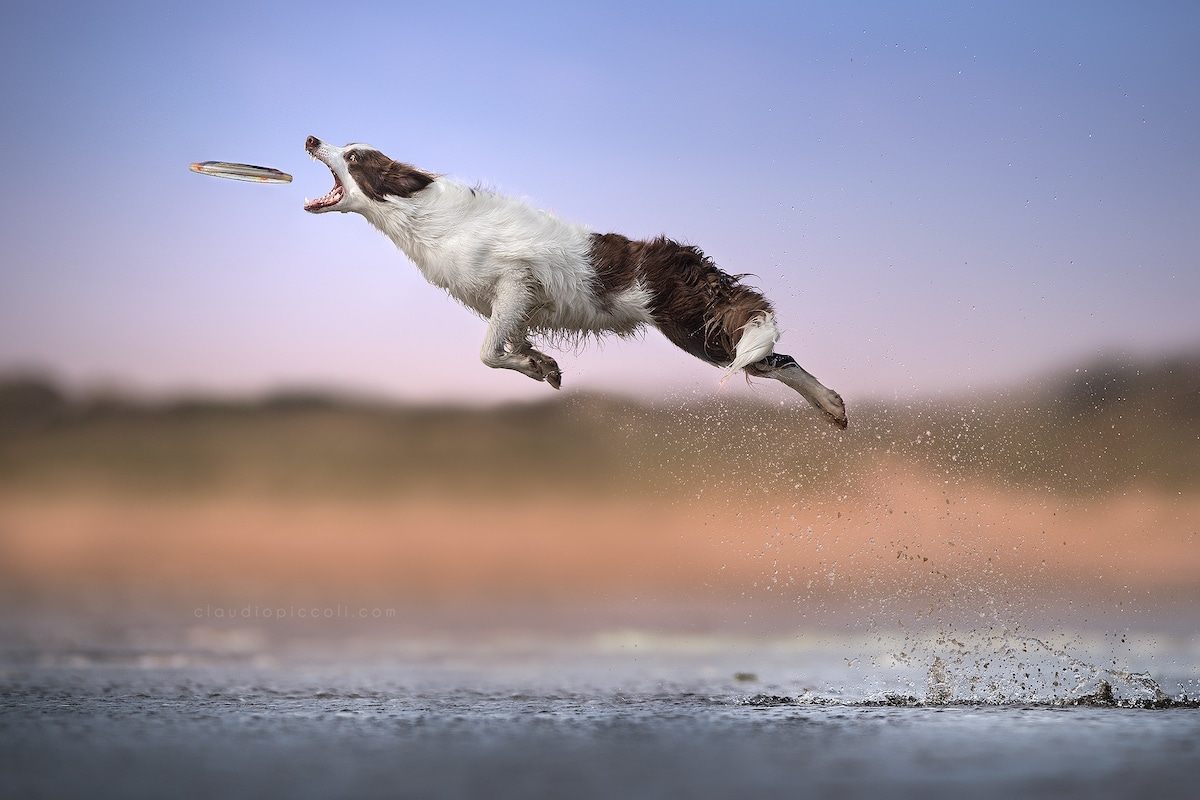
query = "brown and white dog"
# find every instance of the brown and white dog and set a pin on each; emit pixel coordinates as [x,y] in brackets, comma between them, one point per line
[532,273]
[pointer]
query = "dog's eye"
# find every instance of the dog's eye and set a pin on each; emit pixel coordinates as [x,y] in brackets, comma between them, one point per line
[352,157]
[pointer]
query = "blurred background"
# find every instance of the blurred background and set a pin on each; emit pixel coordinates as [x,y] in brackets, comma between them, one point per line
[218,413]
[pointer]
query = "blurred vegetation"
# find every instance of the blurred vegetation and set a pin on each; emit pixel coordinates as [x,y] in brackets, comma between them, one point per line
[1110,426]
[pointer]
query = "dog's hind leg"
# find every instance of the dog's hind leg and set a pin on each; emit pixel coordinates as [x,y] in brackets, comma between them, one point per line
[506,344]
[784,369]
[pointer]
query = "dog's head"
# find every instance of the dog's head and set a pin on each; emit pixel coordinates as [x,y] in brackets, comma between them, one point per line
[362,175]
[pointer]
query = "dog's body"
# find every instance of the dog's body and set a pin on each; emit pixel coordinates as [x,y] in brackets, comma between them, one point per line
[530,272]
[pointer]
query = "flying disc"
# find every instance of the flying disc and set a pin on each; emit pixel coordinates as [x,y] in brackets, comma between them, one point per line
[241,172]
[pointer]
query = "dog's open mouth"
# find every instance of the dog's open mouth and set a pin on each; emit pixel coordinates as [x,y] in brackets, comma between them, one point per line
[332,197]
[317,151]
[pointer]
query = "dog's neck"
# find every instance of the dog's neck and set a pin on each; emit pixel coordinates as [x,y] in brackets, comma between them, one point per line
[406,221]
[424,227]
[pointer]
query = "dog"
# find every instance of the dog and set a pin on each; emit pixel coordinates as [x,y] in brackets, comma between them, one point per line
[531,273]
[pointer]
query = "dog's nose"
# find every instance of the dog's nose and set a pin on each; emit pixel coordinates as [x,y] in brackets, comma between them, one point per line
[311,143]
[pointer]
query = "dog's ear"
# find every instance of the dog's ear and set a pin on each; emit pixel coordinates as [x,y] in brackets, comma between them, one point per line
[380,177]
[402,180]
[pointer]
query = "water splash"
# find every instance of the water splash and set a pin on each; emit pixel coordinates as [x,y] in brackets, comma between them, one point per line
[1133,689]
[1000,670]
[1011,667]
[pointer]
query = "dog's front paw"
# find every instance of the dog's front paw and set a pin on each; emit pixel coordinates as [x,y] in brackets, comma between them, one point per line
[544,368]
[547,369]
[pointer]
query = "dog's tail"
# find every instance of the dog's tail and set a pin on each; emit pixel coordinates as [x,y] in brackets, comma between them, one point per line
[757,341]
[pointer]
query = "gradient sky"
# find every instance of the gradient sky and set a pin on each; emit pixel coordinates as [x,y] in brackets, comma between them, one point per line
[937,197]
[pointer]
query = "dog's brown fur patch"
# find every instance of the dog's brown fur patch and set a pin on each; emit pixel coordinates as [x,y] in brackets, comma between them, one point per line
[379,176]
[696,305]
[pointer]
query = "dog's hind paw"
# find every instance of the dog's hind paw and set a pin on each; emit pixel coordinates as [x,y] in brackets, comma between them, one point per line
[834,408]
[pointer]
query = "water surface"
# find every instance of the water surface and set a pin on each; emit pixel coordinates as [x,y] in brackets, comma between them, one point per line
[615,714]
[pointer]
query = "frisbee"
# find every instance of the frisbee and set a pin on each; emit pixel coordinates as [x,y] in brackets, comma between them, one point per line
[241,172]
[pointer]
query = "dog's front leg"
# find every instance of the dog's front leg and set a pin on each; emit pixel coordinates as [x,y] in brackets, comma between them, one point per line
[506,345]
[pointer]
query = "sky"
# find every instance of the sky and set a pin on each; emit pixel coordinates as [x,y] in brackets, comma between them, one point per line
[937,197]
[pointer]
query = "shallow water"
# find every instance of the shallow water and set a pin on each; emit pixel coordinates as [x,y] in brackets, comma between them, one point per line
[617,714]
